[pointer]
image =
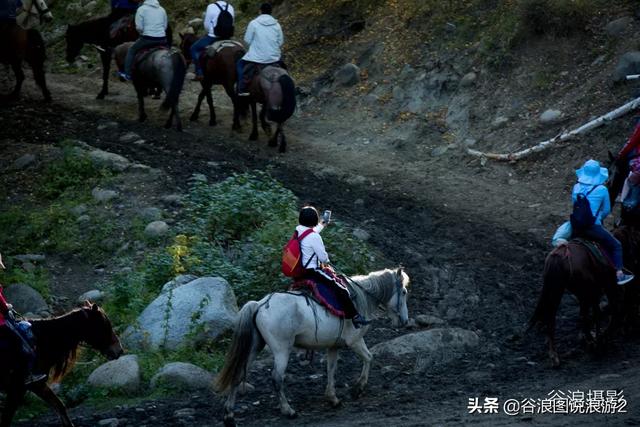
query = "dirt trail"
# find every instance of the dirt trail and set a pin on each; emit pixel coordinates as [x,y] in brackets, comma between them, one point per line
[473,243]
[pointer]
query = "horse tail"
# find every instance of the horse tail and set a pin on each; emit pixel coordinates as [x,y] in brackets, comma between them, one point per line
[557,272]
[246,341]
[179,73]
[288,100]
[36,49]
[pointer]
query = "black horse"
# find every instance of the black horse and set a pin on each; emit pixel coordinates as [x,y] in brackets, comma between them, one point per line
[97,32]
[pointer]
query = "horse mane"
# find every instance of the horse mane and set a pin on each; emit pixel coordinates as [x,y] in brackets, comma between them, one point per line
[374,288]
[57,340]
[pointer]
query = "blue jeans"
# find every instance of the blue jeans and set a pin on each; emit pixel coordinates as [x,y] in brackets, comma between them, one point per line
[196,50]
[599,234]
[141,43]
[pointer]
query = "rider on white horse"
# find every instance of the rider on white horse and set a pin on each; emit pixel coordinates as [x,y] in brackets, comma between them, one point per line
[315,260]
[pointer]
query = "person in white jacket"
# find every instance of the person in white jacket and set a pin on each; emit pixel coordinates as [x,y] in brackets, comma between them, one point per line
[264,38]
[210,23]
[151,23]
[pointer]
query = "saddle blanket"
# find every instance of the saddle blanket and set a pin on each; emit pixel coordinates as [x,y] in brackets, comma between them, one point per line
[596,250]
[325,295]
[218,45]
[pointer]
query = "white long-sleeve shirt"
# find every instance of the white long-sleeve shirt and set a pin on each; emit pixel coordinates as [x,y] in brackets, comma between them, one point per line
[264,38]
[212,14]
[312,244]
[151,19]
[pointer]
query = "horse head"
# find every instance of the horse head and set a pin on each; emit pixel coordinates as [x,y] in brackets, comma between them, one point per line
[74,43]
[618,171]
[186,41]
[397,305]
[99,332]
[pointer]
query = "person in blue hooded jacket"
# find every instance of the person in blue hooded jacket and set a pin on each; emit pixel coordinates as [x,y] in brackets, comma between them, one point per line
[591,179]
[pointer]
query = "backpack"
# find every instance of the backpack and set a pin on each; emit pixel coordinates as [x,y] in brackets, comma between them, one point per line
[582,217]
[292,255]
[224,26]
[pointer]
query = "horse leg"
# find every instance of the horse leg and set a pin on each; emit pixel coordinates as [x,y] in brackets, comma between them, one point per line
[586,324]
[17,70]
[266,127]
[280,361]
[196,111]
[234,100]
[212,111]
[178,119]
[169,122]
[254,121]
[282,139]
[38,75]
[363,352]
[15,394]
[142,116]
[106,64]
[332,364]
[45,393]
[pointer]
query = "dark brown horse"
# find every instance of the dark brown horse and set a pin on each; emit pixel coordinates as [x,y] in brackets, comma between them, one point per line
[97,32]
[274,89]
[20,45]
[218,70]
[57,343]
[574,268]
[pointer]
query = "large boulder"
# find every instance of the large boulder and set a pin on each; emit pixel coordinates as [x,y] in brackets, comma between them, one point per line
[200,310]
[439,344]
[182,376]
[122,374]
[25,299]
[629,63]
[112,161]
[619,26]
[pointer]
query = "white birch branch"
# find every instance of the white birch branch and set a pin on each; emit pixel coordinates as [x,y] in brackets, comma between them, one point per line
[564,136]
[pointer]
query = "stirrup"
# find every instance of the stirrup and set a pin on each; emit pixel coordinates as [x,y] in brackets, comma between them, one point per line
[34,379]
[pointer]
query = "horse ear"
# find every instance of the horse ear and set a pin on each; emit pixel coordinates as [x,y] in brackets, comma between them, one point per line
[86,304]
[400,271]
[94,307]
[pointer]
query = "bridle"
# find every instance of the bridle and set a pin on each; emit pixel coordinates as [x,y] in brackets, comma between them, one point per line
[397,293]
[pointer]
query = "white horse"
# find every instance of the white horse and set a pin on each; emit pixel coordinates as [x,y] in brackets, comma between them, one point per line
[286,320]
[32,13]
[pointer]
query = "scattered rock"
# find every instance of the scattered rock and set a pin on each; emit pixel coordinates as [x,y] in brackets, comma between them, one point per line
[112,161]
[499,122]
[429,321]
[122,374]
[172,200]
[470,142]
[156,229]
[439,343]
[30,258]
[83,219]
[469,79]
[358,202]
[79,210]
[151,213]
[107,125]
[129,137]
[24,161]
[25,299]
[206,305]
[619,26]
[361,234]
[439,151]
[184,413]
[347,75]
[178,281]
[91,5]
[245,387]
[93,296]
[182,376]
[103,196]
[550,116]
[109,422]
[629,63]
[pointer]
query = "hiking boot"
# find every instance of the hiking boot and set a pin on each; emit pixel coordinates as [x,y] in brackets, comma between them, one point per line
[625,278]
[198,78]
[124,76]
[359,321]
[243,94]
[34,379]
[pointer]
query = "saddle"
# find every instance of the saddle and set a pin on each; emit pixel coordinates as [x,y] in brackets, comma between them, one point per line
[143,54]
[599,254]
[326,294]
[218,45]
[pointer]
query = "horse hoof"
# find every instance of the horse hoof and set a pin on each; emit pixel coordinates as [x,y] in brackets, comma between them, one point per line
[193,118]
[253,137]
[212,123]
[292,415]
[100,96]
[273,143]
[356,392]
[229,421]
[282,149]
[47,98]
[335,403]
[141,119]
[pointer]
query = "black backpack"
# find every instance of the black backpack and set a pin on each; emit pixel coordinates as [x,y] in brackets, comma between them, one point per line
[582,217]
[224,26]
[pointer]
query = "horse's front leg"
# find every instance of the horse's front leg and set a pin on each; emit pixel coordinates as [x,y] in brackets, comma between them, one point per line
[142,116]
[234,100]
[196,111]
[38,75]
[280,361]
[586,325]
[254,121]
[212,110]
[266,127]
[363,352]
[106,64]
[44,392]
[332,364]
[17,70]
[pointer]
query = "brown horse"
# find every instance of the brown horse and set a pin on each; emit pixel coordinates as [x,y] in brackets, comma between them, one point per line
[57,341]
[20,45]
[219,69]
[274,89]
[574,268]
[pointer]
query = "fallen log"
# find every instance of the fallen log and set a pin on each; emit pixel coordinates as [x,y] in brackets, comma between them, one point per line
[564,136]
